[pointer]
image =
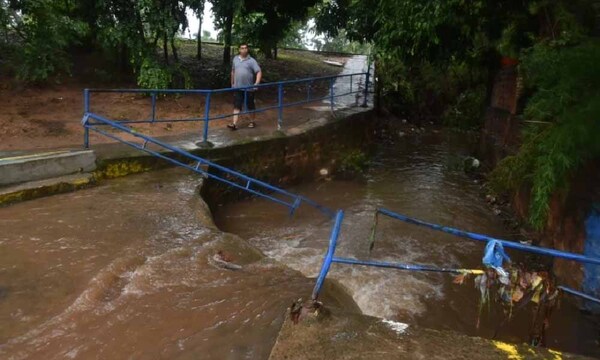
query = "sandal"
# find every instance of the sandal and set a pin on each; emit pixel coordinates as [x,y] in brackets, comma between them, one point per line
[252,124]
[232,126]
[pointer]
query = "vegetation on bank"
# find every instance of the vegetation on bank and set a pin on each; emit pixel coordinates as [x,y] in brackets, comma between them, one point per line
[563,132]
[435,59]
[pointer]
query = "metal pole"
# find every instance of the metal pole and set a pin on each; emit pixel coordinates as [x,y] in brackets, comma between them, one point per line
[335,233]
[86,110]
[366,95]
[206,117]
[153,106]
[331,93]
[400,266]
[350,84]
[280,106]
[579,294]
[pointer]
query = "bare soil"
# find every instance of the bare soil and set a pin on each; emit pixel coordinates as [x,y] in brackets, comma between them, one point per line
[34,117]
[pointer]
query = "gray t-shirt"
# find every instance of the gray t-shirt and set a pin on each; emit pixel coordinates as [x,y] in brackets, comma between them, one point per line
[244,71]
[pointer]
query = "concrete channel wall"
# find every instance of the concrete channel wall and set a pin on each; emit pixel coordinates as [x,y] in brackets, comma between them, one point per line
[280,157]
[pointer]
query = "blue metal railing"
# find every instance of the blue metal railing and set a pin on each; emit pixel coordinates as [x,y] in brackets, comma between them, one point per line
[195,163]
[210,93]
[331,258]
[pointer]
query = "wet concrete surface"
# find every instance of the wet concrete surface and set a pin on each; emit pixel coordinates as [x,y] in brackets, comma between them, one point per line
[335,334]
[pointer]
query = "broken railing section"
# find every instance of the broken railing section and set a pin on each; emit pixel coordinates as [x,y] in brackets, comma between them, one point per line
[197,164]
[331,258]
[209,94]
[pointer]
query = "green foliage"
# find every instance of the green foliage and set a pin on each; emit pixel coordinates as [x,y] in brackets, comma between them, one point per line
[467,110]
[353,163]
[341,43]
[206,36]
[265,23]
[430,91]
[567,101]
[358,18]
[153,75]
[46,33]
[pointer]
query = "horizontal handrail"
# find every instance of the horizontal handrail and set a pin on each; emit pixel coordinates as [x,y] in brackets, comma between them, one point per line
[401,266]
[331,258]
[244,112]
[506,243]
[208,93]
[223,90]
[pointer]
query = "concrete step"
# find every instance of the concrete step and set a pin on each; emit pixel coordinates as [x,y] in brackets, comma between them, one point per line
[36,189]
[46,165]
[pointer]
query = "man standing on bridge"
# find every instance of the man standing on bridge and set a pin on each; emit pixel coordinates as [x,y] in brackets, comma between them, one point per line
[244,72]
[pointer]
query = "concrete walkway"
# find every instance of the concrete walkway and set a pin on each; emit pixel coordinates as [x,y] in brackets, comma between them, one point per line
[18,168]
[355,64]
[29,175]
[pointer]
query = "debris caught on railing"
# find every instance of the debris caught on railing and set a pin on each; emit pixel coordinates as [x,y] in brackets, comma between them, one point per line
[515,288]
[300,309]
[295,310]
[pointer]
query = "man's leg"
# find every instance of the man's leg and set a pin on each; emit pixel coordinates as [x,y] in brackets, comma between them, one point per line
[237,105]
[251,107]
[235,115]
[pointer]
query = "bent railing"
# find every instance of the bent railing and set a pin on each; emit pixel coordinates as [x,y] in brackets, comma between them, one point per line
[199,165]
[331,258]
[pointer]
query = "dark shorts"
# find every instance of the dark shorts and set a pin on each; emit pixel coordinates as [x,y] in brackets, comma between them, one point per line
[238,100]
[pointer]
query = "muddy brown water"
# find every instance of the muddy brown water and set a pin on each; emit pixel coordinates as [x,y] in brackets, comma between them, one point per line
[122,271]
[420,176]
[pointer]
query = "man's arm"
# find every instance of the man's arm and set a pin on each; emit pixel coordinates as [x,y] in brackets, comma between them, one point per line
[258,77]
[232,77]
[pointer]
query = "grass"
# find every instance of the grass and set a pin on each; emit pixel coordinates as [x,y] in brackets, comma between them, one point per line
[210,72]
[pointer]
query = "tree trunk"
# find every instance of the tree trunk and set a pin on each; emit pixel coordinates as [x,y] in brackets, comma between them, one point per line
[155,44]
[165,47]
[227,38]
[174,49]
[275,52]
[199,49]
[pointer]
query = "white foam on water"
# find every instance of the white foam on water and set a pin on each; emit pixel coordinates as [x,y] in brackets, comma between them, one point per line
[398,327]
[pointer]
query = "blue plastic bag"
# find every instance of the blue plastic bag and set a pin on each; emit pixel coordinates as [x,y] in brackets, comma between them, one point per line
[494,254]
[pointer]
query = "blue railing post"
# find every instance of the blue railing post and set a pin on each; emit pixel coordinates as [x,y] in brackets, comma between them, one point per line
[366,95]
[280,106]
[206,118]
[335,233]
[153,107]
[350,84]
[86,110]
[331,93]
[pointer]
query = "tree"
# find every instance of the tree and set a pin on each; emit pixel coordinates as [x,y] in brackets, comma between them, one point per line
[267,22]
[224,12]
[206,36]
[197,7]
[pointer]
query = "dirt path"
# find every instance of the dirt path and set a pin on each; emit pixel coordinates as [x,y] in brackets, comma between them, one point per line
[49,117]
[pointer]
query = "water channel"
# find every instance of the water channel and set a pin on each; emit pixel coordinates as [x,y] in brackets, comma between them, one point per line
[420,176]
[123,270]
